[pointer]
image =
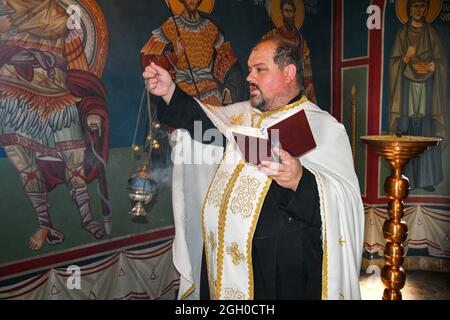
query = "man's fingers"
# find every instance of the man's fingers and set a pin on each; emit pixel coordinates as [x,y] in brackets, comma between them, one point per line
[275,166]
[152,71]
[152,84]
[157,68]
[269,172]
[283,154]
[152,81]
[149,73]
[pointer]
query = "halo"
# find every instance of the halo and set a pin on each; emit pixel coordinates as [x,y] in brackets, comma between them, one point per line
[178,7]
[277,17]
[434,8]
[95,33]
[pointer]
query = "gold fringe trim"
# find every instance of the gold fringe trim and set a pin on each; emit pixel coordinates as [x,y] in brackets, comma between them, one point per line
[222,220]
[325,241]
[187,292]
[267,114]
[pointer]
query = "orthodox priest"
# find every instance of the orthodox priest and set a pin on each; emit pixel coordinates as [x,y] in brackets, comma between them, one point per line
[291,229]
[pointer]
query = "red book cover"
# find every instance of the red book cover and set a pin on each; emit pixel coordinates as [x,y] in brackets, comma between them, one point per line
[292,134]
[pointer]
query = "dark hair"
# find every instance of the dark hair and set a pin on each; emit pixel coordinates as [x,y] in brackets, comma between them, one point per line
[286,53]
[290,2]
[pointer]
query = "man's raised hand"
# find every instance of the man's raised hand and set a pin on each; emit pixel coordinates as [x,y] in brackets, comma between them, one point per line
[159,82]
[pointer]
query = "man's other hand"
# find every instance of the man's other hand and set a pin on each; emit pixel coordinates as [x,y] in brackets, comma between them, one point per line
[287,173]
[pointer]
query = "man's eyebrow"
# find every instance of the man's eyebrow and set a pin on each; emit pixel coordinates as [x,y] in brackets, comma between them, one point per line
[257,65]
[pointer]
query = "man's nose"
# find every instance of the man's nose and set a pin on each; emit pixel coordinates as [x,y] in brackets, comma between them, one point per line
[250,77]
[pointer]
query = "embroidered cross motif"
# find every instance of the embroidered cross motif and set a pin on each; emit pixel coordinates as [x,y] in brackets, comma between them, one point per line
[236,255]
[237,120]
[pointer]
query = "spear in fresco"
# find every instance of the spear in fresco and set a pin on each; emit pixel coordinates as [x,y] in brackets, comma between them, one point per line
[184,51]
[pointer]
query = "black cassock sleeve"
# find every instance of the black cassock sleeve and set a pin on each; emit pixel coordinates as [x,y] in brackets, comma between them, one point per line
[182,112]
[303,204]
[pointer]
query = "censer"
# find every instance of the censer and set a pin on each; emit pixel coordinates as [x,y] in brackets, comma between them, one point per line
[141,187]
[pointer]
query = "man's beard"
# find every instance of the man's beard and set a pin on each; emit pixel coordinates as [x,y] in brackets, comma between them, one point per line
[258,101]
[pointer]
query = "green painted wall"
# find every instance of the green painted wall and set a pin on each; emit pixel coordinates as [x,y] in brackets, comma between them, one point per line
[18,220]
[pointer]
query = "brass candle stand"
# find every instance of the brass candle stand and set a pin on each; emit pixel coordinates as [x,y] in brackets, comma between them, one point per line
[397,150]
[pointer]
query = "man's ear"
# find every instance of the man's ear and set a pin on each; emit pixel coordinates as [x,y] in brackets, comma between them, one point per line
[290,72]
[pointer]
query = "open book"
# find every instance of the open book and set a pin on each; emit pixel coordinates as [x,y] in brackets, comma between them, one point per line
[291,133]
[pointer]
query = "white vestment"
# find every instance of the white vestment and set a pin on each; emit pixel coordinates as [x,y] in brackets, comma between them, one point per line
[204,216]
